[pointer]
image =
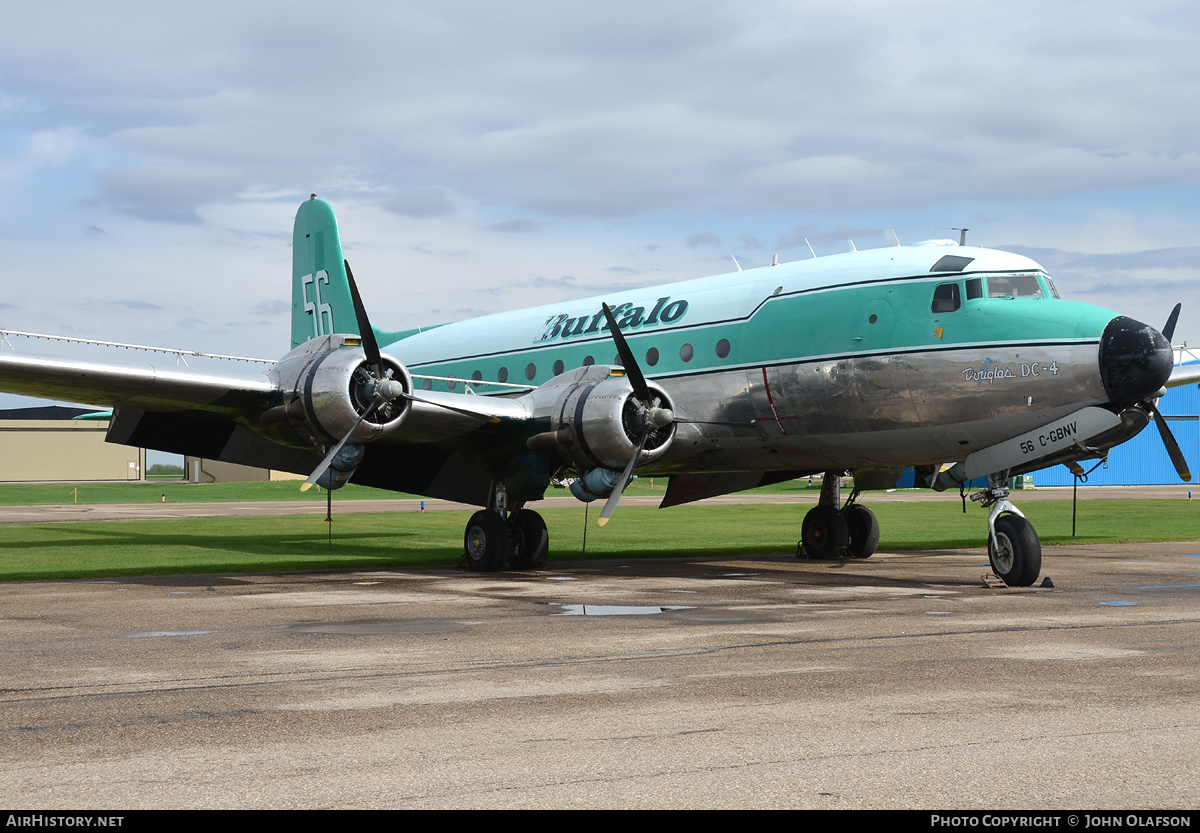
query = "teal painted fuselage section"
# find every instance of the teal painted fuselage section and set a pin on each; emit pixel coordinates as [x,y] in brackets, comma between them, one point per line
[842,360]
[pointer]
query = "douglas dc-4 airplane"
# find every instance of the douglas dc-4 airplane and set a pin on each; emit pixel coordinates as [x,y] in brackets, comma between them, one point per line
[870,361]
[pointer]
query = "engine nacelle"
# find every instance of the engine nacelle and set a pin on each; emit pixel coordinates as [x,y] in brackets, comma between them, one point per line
[606,422]
[331,387]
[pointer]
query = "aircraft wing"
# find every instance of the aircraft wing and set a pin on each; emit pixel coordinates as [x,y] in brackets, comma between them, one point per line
[442,448]
[1183,374]
[145,386]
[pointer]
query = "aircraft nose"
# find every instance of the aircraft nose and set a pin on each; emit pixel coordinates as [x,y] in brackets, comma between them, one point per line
[1135,360]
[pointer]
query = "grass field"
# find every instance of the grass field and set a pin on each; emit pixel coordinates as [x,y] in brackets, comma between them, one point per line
[175,491]
[218,545]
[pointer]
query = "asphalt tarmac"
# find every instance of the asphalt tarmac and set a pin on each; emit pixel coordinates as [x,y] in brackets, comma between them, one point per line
[901,681]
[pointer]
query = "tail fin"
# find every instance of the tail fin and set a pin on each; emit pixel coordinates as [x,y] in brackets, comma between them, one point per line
[321,301]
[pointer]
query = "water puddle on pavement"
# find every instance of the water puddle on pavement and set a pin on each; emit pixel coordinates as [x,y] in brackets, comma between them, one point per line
[617,610]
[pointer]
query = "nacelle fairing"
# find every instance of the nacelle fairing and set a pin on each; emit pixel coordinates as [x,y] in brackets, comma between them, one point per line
[596,421]
[330,386]
[607,423]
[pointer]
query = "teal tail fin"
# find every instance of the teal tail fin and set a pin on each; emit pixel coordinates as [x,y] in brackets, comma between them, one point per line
[321,302]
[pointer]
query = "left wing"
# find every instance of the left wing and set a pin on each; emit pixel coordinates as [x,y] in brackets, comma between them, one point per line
[439,447]
[142,385]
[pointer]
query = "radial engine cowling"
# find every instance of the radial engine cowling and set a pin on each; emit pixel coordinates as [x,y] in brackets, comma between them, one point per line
[333,388]
[606,422]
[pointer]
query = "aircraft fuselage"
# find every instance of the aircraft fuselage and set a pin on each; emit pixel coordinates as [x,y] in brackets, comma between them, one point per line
[866,358]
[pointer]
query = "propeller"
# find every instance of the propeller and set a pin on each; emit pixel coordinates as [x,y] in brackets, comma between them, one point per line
[614,498]
[366,333]
[380,384]
[1151,405]
[652,416]
[1168,439]
[1169,330]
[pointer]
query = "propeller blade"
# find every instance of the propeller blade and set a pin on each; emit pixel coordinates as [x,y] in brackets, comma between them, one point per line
[610,505]
[411,398]
[1169,330]
[320,470]
[370,345]
[686,421]
[1181,466]
[636,379]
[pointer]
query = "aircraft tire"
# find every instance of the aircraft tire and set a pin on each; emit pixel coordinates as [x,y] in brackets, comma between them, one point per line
[864,531]
[1019,559]
[529,542]
[485,544]
[824,532]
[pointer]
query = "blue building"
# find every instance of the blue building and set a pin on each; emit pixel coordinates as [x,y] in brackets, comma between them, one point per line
[1143,461]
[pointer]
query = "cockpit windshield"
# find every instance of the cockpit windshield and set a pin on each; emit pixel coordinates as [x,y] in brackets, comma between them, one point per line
[1014,286]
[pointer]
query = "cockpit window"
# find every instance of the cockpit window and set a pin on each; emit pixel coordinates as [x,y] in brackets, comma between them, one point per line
[946,298]
[1050,285]
[1014,286]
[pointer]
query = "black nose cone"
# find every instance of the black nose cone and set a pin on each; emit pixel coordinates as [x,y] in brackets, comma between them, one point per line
[1135,360]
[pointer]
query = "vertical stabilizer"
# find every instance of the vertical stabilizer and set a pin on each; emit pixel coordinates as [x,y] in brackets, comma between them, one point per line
[321,301]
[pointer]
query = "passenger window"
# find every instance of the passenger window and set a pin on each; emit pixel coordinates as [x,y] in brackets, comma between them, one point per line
[946,298]
[974,288]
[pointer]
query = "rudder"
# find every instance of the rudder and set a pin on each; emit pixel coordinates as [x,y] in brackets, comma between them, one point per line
[321,302]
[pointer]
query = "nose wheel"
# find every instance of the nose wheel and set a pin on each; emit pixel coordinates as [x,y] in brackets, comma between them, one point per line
[1014,550]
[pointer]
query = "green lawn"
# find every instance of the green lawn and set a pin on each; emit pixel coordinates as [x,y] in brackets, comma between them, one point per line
[52,494]
[218,545]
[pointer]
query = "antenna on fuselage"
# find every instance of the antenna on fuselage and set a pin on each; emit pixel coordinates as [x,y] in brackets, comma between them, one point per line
[810,248]
[851,242]
[775,260]
[889,234]
[735,263]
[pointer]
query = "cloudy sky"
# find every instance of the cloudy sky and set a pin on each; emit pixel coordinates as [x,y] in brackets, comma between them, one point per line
[485,156]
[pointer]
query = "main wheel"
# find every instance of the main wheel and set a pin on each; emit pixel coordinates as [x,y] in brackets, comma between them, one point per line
[1016,555]
[864,531]
[824,533]
[486,541]
[529,542]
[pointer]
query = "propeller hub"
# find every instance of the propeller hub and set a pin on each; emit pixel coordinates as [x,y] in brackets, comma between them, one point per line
[660,417]
[388,389]
[1135,360]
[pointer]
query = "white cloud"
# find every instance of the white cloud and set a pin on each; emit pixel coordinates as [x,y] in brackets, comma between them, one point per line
[189,134]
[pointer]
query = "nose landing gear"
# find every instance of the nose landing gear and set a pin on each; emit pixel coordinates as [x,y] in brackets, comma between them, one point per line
[1014,550]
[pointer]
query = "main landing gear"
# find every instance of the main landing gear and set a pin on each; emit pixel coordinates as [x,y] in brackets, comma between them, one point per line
[831,531]
[495,536]
[1014,550]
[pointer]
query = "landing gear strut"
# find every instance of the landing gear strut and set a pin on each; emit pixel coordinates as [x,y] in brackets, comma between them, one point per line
[1014,550]
[828,531]
[495,536]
